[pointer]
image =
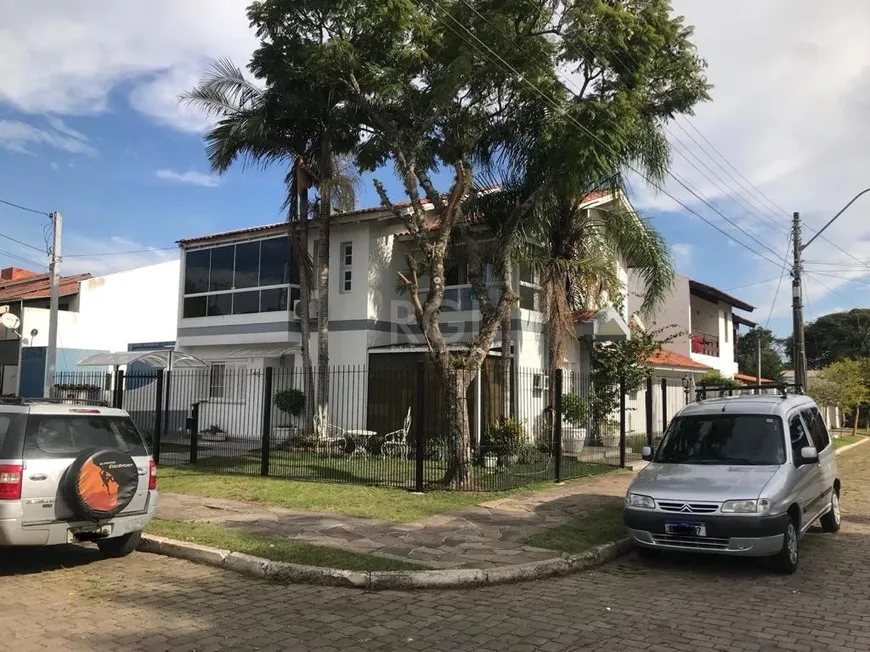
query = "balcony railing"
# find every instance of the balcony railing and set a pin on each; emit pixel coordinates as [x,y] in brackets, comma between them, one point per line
[705,344]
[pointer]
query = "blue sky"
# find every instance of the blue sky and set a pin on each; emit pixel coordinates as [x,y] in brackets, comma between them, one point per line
[90,126]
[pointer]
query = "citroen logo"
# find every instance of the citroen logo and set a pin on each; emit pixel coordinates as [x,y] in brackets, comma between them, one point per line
[685,508]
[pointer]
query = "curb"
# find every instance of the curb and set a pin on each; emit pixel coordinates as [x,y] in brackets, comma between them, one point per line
[453,578]
[842,450]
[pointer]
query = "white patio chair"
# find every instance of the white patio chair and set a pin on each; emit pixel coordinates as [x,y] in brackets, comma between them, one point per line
[396,442]
[329,438]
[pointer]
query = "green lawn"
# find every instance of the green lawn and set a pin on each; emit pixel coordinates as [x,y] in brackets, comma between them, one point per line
[845,440]
[386,503]
[274,548]
[594,529]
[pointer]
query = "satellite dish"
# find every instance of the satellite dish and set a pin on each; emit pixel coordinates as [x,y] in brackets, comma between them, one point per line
[10,321]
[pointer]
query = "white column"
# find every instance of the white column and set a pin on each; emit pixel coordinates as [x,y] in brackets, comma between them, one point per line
[478,402]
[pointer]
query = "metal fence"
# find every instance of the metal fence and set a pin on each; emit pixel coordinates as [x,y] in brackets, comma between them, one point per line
[385,425]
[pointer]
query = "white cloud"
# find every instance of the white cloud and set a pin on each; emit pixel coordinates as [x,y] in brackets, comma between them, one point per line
[21,137]
[99,256]
[69,59]
[191,177]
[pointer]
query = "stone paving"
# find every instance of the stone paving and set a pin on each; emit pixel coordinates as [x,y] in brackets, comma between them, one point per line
[70,599]
[484,536]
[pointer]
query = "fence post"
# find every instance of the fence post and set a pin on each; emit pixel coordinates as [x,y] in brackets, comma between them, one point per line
[118,390]
[664,404]
[649,411]
[557,425]
[267,422]
[194,433]
[419,443]
[166,405]
[158,418]
[622,423]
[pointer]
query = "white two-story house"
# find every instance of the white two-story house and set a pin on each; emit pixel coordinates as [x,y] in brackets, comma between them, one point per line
[238,312]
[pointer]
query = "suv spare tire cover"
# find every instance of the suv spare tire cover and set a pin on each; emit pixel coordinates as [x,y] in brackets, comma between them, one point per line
[100,483]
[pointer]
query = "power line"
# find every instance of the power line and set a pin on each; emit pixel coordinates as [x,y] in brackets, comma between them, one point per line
[23,244]
[781,276]
[751,285]
[24,208]
[22,259]
[120,253]
[595,137]
[860,280]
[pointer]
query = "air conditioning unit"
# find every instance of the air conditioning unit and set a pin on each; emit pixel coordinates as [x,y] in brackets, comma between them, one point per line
[297,310]
[540,382]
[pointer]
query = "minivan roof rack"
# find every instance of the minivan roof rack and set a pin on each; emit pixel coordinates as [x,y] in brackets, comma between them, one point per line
[721,391]
[19,400]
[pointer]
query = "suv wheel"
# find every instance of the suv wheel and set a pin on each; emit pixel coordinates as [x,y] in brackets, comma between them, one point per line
[120,546]
[786,560]
[830,522]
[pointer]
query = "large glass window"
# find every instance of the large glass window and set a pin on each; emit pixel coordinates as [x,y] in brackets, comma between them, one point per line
[240,279]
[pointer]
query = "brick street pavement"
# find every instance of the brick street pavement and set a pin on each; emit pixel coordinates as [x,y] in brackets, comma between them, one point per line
[74,601]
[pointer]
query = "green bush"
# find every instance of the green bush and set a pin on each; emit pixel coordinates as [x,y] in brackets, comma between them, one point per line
[716,379]
[505,438]
[575,410]
[290,401]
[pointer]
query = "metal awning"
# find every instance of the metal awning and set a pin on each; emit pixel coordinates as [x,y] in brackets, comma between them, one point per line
[159,359]
[257,352]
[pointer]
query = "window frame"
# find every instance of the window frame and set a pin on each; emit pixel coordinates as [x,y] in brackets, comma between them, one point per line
[213,385]
[345,277]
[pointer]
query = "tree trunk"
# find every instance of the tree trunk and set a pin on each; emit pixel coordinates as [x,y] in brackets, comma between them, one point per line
[323,282]
[456,384]
[507,368]
[855,420]
[305,297]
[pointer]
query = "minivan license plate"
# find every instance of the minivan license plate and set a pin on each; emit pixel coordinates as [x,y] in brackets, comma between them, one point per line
[686,528]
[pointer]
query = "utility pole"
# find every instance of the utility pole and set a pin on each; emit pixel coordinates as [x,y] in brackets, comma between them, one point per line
[54,277]
[758,357]
[799,351]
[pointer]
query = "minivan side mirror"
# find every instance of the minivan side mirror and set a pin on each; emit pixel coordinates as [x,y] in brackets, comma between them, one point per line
[809,455]
[646,453]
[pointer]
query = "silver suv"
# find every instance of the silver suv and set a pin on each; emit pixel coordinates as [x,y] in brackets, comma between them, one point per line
[72,473]
[738,476]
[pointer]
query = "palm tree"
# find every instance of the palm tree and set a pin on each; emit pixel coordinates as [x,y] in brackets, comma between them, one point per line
[263,127]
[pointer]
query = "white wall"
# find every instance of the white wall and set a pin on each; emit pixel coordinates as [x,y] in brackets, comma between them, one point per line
[715,319]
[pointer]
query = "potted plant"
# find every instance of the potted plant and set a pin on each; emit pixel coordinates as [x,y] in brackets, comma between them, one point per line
[504,439]
[490,461]
[291,403]
[575,417]
[213,433]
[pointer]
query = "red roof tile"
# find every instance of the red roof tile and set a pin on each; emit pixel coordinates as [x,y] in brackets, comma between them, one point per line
[670,359]
[37,286]
[752,380]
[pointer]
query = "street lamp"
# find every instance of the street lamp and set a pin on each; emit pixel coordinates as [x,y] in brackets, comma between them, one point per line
[799,350]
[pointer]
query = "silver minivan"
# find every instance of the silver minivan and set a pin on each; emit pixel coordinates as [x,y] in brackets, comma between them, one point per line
[746,475]
[73,471]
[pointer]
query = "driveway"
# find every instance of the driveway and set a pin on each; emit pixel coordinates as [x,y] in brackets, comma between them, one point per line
[73,600]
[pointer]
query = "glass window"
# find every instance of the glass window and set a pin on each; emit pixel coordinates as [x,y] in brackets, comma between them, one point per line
[274,300]
[217,380]
[456,273]
[725,439]
[818,430]
[62,436]
[195,307]
[247,265]
[220,304]
[346,278]
[530,298]
[222,261]
[797,436]
[295,295]
[196,264]
[275,262]
[246,303]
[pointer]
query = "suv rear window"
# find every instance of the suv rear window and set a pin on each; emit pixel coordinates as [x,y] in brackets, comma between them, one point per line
[62,436]
[727,439]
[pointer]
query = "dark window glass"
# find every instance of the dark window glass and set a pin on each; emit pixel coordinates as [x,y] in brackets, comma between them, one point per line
[797,436]
[67,436]
[274,300]
[220,304]
[275,262]
[245,303]
[11,429]
[726,439]
[195,307]
[456,273]
[816,426]
[530,298]
[295,295]
[221,277]
[196,271]
[247,265]
[347,281]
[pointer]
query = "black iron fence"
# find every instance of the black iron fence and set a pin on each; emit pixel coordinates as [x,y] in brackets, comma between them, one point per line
[387,424]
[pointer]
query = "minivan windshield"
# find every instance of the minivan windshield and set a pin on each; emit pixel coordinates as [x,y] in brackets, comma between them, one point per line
[731,439]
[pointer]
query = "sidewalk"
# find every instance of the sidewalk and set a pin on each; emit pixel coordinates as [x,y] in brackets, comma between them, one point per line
[488,535]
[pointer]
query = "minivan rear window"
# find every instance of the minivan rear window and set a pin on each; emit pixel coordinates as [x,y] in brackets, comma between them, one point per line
[62,435]
[731,439]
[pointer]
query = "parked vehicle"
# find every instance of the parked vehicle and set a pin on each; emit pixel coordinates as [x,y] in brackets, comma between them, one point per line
[746,475]
[73,471]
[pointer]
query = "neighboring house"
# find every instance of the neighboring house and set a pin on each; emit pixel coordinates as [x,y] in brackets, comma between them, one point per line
[98,315]
[238,312]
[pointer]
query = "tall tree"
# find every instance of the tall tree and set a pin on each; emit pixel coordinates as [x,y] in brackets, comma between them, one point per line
[835,337]
[844,384]
[468,86]
[772,364]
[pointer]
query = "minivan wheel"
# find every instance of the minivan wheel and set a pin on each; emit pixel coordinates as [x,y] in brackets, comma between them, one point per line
[120,546]
[786,560]
[830,522]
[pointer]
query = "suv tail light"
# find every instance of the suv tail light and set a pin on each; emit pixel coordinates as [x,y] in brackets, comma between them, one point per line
[10,481]
[152,475]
